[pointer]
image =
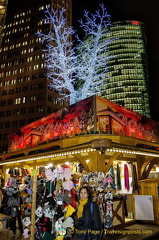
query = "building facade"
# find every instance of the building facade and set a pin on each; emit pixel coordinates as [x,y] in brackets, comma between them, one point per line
[127,68]
[24,92]
[3,9]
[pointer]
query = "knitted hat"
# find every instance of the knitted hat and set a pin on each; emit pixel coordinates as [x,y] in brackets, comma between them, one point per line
[66,198]
[41,181]
[93,182]
[59,212]
[39,211]
[49,174]
[29,189]
[58,225]
[15,190]
[28,180]
[48,211]
[39,200]
[68,185]
[38,235]
[27,210]
[26,221]
[60,172]
[27,199]
[67,173]
[68,223]
[8,191]
[12,182]
[40,190]
[59,198]
[26,233]
[84,178]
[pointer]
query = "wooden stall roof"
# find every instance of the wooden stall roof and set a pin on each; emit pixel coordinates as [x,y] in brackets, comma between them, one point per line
[77,149]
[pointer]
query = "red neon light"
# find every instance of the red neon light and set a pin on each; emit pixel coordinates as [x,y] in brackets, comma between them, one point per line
[135,22]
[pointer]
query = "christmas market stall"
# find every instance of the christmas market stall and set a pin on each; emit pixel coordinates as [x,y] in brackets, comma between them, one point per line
[94,142]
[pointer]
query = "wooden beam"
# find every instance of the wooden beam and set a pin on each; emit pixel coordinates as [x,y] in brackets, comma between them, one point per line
[147,171]
[144,165]
[82,159]
[32,227]
[112,158]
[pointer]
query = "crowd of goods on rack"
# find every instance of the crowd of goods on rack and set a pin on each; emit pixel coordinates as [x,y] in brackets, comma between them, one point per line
[56,199]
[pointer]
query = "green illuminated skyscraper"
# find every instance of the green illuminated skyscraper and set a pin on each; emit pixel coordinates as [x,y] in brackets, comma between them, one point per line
[127,75]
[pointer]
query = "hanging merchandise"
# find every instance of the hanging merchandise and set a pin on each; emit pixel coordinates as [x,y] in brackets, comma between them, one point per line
[38,234]
[118,177]
[134,179]
[112,173]
[26,221]
[39,212]
[84,179]
[101,186]
[12,202]
[68,185]
[108,183]
[26,233]
[55,203]
[126,177]
[100,180]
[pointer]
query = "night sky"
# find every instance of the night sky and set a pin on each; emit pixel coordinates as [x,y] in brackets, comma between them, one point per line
[141,10]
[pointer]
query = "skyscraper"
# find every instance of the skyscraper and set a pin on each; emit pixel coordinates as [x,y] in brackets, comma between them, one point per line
[24,92]
[3,8]
[127,75]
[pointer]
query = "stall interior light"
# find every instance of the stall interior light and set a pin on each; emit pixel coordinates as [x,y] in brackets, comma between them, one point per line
[133,152]
[85,150]
[50,165]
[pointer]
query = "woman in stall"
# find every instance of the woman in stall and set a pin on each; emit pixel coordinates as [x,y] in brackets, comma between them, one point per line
[88,225]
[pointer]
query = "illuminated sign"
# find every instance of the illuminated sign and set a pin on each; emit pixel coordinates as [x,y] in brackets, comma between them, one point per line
[135,22]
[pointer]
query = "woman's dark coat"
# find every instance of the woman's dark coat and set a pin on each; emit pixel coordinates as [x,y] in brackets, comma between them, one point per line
[89,226]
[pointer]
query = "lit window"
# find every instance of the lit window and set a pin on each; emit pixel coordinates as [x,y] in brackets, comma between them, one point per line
[30,50]
[24,99]
[17,101]
[32,98]
[6,83]
[13,81]
[16,112]
[40,108]
[36,66]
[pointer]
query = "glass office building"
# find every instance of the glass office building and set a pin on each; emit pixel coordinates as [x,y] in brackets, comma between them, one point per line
[127,75]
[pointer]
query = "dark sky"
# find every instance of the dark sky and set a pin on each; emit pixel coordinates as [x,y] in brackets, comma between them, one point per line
[146,11]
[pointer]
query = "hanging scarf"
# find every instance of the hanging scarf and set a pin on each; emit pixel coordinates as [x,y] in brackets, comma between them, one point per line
[112,173]
[134,179]
[81,206]
[118,180]
[126,177]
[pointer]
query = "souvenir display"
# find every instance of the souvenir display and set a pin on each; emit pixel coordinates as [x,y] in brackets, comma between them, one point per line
[57,196]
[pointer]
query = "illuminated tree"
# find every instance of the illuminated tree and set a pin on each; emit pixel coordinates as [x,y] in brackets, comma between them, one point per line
[92,58]
[80,70]
[60,55]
